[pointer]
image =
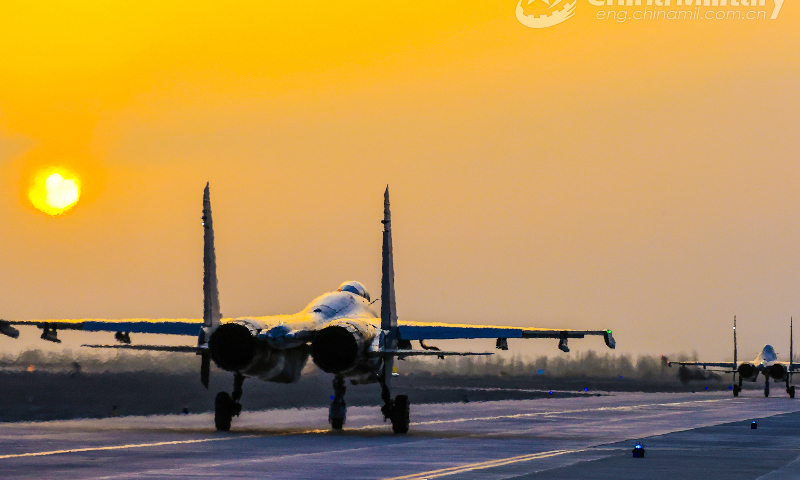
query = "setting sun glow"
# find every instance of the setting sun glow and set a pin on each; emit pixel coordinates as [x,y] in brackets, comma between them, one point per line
[54,190]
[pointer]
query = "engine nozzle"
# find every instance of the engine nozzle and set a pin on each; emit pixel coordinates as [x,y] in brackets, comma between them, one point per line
[748,371]
[340,346]
[777,371]
[232,346]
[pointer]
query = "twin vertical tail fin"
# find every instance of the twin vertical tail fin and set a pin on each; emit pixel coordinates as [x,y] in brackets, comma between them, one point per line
[388,305]
[735,352]
[211,311]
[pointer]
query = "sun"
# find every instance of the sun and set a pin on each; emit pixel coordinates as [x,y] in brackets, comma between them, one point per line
[54,190]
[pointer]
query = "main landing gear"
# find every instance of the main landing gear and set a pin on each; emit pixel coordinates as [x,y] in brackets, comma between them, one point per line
[338,411]
[737,388]
[227,406]
[766,387]
[789,386]
[397,411]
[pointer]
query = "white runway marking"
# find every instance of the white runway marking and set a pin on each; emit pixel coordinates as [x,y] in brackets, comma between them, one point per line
[540,414]
[121,447]
[482,465]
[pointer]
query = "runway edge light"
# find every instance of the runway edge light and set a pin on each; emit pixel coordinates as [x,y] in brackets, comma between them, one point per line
[638,450]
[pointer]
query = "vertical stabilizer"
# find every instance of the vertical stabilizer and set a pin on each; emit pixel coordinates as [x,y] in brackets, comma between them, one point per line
[735,353]
[211,313]
[388,305]
[735,359]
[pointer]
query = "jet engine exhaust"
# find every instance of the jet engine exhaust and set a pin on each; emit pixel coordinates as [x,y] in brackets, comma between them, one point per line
[335,349]
[778,372]
[232,347]
[748,371]
[338,347]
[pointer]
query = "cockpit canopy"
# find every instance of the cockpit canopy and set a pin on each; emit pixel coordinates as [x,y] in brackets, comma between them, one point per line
[356,288]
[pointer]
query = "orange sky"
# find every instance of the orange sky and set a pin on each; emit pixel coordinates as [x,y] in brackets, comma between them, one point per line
[640,176]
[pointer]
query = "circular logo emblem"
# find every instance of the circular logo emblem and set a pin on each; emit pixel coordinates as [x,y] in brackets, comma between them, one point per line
[544,13]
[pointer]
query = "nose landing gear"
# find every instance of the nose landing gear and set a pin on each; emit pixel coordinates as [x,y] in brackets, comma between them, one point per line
[338,411]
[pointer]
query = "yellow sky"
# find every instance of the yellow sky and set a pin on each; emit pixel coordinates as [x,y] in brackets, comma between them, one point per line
[640,176]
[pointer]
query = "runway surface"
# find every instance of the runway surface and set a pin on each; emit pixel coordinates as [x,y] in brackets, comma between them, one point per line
[688,436]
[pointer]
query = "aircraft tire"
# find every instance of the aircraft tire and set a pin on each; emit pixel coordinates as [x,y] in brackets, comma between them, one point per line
[790,391]
[223,411]
[401,414]
[337,423]
[766,390]
[736,390]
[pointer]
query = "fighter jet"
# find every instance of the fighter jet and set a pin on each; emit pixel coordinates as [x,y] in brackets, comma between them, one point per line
[341,331]
[765,363]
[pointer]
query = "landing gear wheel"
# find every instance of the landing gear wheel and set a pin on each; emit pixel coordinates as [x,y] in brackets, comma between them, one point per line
[790,391]
[766,390]
[400,414]
[338,411]
[337,414]
[223,411]
[736,390]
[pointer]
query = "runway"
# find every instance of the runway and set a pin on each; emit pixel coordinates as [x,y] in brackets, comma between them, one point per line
[703,436]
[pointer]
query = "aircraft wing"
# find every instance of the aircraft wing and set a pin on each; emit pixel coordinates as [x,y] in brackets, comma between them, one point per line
[408,331]
[185,327]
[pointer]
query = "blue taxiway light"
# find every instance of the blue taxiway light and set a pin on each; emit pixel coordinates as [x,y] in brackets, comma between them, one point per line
[585,389]
[753,425]
[551,392]
[638,450]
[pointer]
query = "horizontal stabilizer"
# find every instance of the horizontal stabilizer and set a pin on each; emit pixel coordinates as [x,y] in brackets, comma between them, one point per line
[423,353]
[152,348]
[7,330]
[722,367]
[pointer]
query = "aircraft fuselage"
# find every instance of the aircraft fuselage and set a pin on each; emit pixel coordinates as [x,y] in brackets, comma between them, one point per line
[765,363]
[278,347]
